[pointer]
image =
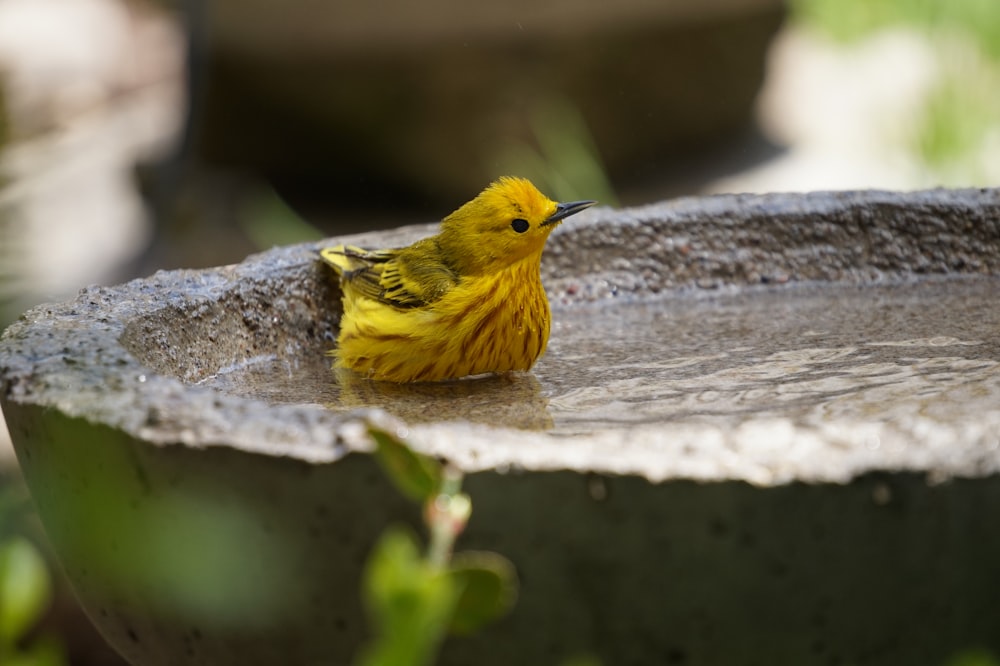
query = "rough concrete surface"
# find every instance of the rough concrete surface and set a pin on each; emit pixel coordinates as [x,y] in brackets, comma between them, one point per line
[823,500]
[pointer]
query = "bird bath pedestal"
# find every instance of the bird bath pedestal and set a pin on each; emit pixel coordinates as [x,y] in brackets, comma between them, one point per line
[767,430]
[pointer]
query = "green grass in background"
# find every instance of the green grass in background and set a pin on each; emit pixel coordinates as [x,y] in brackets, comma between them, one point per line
[961,113]
[565,161]
[849,20]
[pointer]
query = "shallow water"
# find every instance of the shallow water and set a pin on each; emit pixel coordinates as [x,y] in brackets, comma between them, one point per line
[811,354]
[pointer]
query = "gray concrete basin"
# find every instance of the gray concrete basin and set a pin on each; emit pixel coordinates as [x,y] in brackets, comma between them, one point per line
[767,430]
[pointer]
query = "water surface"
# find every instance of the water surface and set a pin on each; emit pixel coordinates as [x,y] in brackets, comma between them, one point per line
[811,353]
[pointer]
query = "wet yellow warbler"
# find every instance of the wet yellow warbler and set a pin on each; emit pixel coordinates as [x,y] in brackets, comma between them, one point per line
[464,302]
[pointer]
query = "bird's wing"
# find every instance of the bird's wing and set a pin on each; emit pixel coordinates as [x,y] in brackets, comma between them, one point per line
[388,277]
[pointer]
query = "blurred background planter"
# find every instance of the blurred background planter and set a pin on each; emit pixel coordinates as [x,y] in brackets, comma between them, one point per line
[425,103]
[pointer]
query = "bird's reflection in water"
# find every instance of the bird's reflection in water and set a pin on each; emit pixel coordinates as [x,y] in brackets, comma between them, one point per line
[510,400]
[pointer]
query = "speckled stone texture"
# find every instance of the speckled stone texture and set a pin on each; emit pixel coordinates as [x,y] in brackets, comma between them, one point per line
[754,539]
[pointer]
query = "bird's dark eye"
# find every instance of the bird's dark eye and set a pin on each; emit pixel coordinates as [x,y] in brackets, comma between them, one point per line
[519,225]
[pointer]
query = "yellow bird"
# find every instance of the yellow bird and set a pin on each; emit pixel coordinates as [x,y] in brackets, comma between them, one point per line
[466,301]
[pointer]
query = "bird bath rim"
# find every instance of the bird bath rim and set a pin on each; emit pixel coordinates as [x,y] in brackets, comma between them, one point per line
[106,357]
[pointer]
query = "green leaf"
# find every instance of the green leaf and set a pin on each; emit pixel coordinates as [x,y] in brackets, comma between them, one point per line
[414,475]
[25,588]
[393,567]
[488,584]
[409,601]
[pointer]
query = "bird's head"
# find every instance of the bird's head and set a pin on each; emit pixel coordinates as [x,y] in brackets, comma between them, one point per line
[507,222]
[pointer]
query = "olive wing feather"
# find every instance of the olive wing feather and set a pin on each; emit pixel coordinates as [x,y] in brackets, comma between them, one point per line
[391,277]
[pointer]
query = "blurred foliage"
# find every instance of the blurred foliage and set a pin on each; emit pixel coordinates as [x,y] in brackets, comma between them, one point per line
[25,594]
[563,161]
[973,657]
[488,583]
[414,599]
[409,601]
[958,129]
[960,113]
[566,163]
[268,222]
[850,20]
[25,590]
[416,476]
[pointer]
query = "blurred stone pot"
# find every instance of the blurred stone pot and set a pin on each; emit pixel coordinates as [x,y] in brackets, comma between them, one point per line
[814,487]
[350,99]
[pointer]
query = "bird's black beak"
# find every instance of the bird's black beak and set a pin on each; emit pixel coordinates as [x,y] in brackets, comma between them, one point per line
[564,210]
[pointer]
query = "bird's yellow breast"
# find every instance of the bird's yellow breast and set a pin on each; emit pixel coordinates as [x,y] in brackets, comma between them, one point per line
[489,323]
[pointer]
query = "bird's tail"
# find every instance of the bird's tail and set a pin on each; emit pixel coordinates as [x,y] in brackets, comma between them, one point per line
[343,258]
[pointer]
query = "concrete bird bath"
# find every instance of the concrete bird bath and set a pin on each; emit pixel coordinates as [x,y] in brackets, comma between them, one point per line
[767,430]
